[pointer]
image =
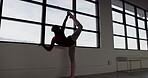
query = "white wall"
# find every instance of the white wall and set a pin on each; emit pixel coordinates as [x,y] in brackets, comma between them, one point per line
[32,61]
[140,3]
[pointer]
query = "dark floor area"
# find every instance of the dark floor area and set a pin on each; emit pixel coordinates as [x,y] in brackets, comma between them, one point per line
[143,73]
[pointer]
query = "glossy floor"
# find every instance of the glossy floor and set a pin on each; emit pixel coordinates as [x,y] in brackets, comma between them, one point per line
[136,74]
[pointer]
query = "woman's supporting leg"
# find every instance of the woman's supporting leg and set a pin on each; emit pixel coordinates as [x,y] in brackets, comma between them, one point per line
[72,60]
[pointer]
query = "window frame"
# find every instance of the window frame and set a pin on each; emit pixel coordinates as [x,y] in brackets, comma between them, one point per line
[43,23]
[124,13]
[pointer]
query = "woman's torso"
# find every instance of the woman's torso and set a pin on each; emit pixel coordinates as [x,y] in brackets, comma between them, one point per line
[61,40]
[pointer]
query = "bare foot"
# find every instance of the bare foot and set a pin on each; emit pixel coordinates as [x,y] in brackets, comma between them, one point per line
[71,77]
[71,16]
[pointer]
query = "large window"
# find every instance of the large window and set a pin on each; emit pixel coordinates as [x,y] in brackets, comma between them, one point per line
[30,21]
[129,26]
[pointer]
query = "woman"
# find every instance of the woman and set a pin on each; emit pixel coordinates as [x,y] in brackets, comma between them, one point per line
[64,41]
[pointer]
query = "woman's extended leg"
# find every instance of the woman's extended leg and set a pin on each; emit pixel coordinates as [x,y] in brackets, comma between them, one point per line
[77,32]
[72,60]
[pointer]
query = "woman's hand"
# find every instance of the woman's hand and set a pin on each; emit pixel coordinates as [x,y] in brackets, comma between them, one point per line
[71,16]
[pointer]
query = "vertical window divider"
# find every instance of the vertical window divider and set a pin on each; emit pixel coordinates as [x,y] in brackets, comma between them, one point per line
[124,23]
[74,11]
[98,23]
[1,7]
[43,22]
[137,28]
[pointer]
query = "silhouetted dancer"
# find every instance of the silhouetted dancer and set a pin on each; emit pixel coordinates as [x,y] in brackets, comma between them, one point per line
[64,41]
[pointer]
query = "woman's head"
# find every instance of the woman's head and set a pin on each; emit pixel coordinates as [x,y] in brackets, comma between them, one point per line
[55,28]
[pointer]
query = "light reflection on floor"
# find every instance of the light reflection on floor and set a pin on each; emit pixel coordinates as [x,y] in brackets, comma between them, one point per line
[136,74]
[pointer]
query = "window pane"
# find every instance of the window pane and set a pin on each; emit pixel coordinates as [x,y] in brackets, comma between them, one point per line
[143,45]
[49,35]
[87,39]
[132,43]
[19,32]
[56,17]
[129,9]
[140,13]
[88,23]
[117,5]
[68,32]
[119,42]
[130,20]
[118,29]
[117,16]
[141,24]
[61,3]
[22,10]
[86,7]
[131,31]
[142,34]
